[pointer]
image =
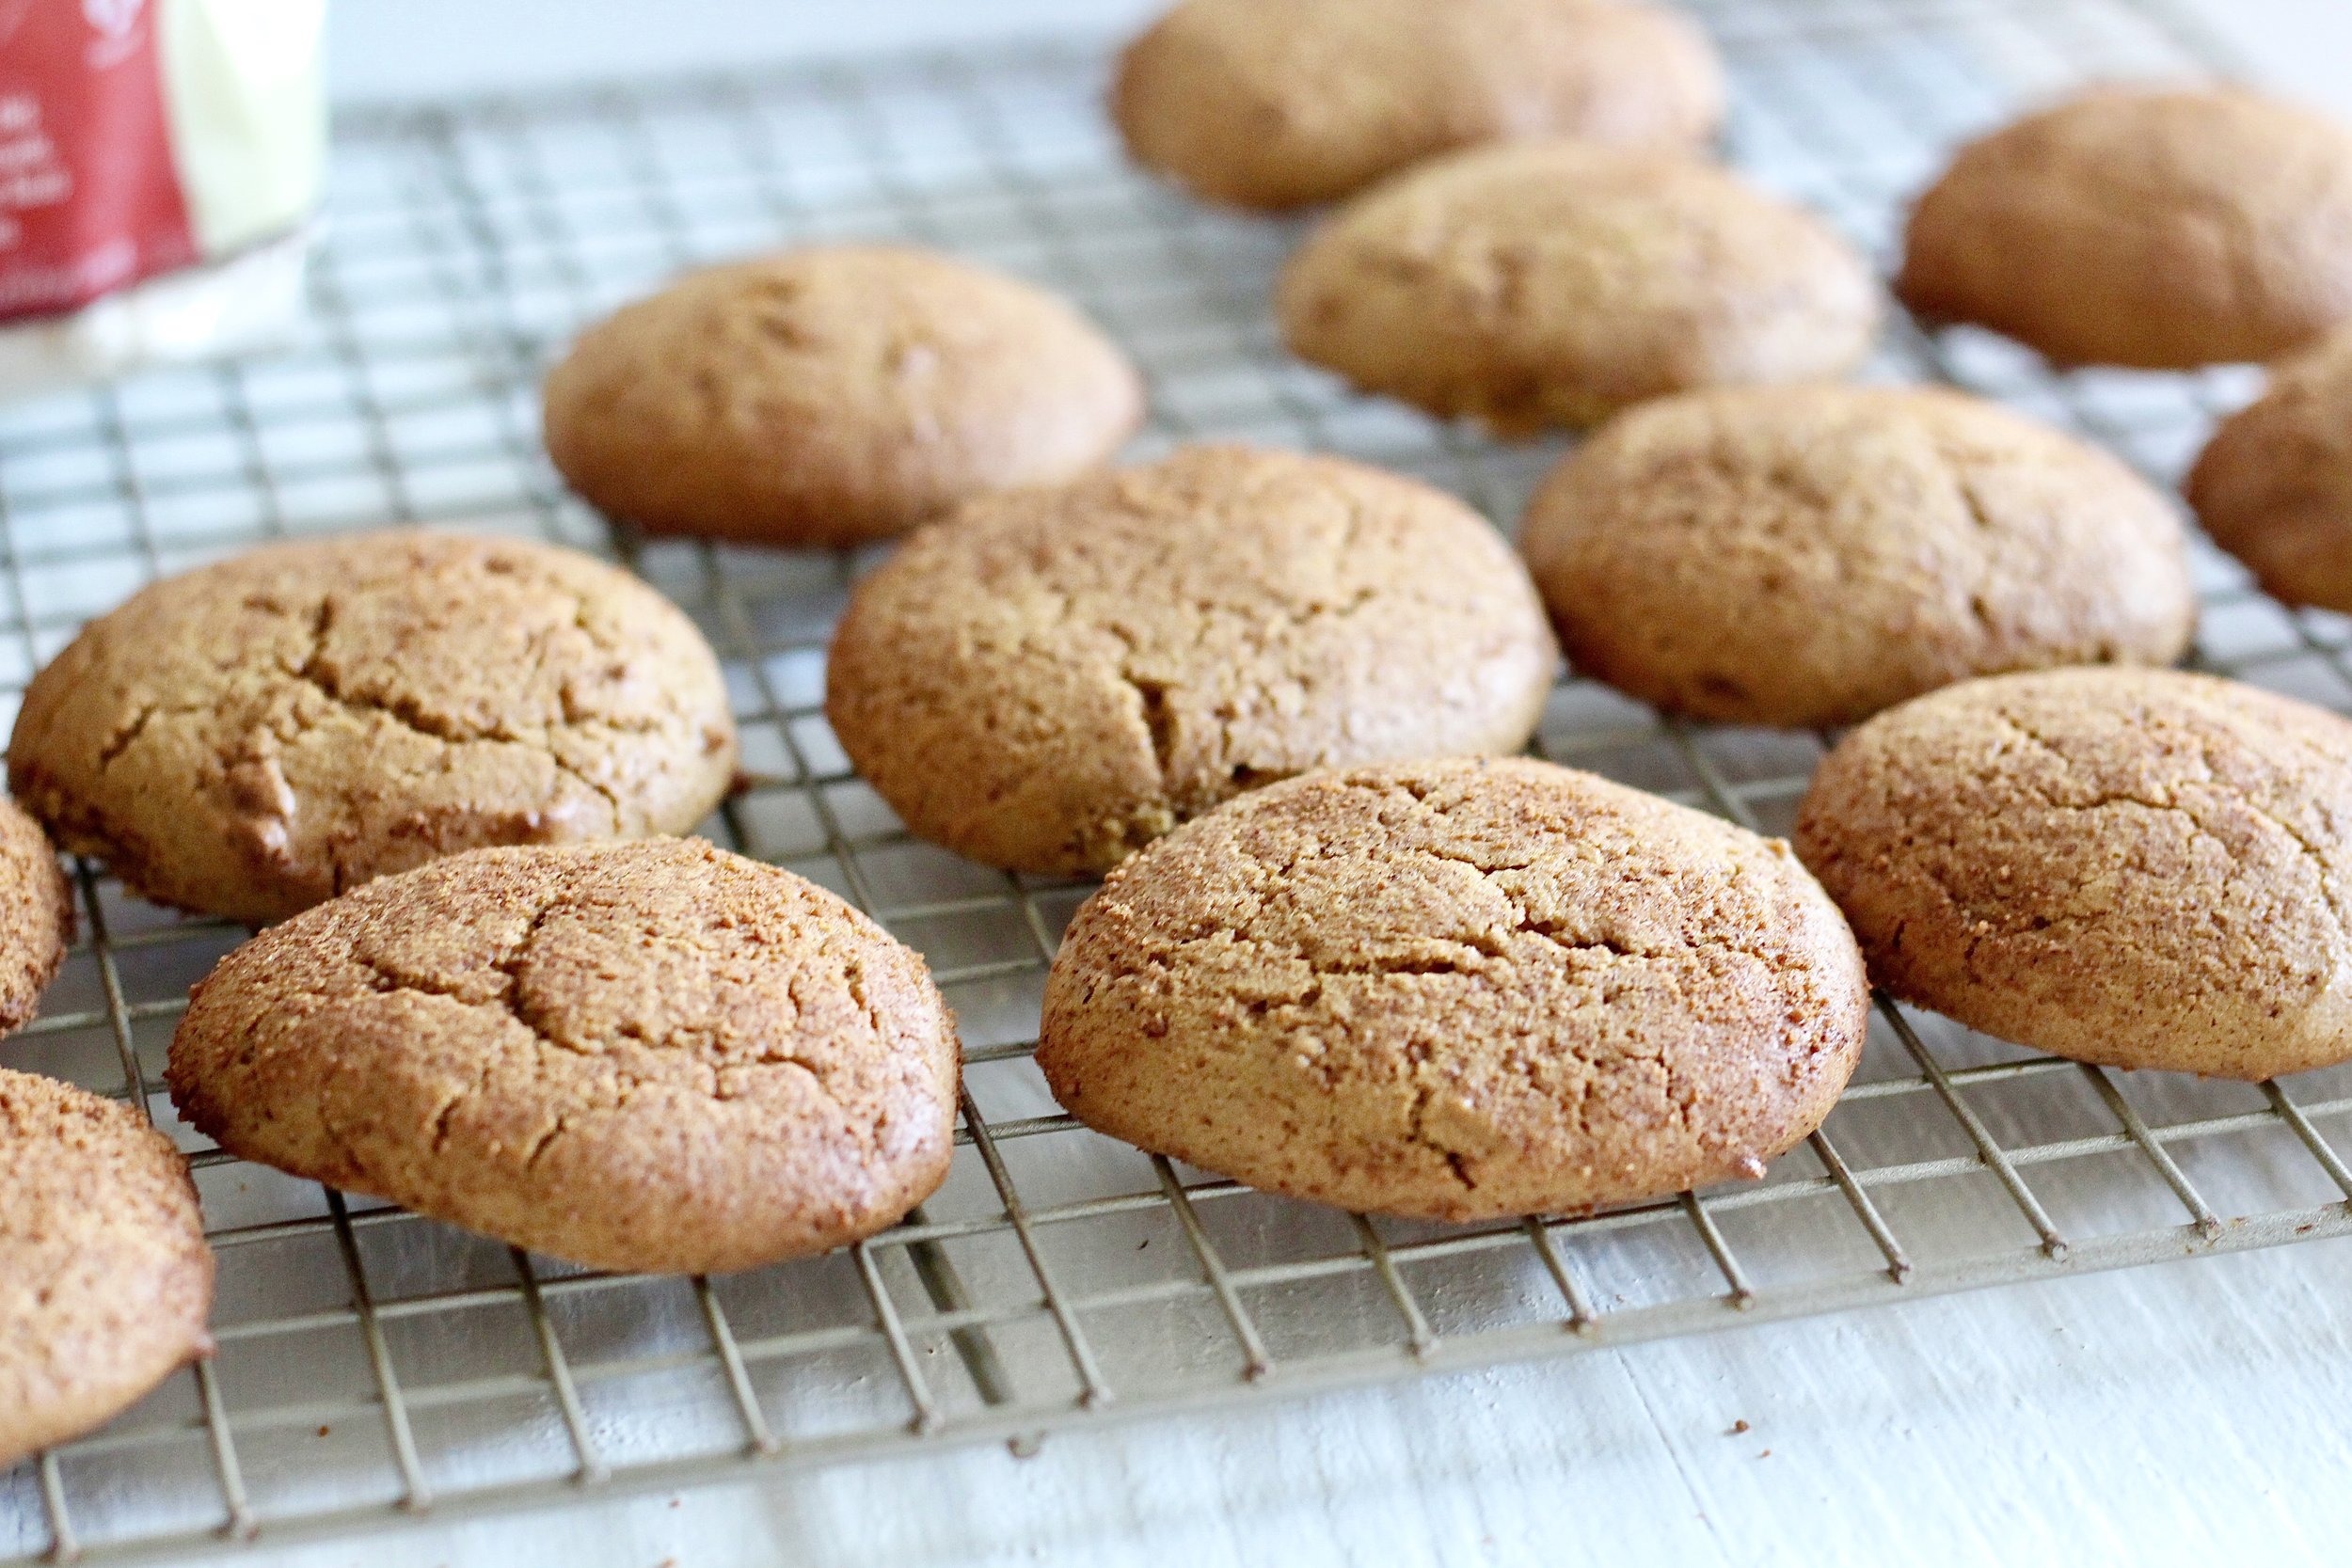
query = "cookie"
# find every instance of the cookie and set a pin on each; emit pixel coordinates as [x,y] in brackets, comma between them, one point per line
[2274,486]
[2139,868]
[832,395]
[649,1055]
[1050,680]
[2152,226]
[1276,103]
[250,737]
[104,1277]
[1541,283]
[1458,990]
[1807,556]
[36,917]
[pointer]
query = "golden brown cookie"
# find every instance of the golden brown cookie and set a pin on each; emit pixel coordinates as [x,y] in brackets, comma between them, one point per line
[1553,282]
[649,1056]
[833,395]
[2274,486]
[1050,680]
[1281,103]
[255,735]
[36,917]
[1458,990]
[104,1277]
[2156,227]
[1807,556]
[2139,868]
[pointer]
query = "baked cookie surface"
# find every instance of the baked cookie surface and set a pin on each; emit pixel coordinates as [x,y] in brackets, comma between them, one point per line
[1458,990]
[1049,680]
[2141,868]
[105,1278]
[646,1056]
[2152,226]
[2274,486]
[255,735]
[36,917]
[1807,556]
[1281,103]
[1551,284]
[832,395]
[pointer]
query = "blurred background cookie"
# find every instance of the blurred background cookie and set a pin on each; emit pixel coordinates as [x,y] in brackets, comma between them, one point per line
[2274,486]
[1805,556]
[653,1056]
[1283,102]
[1458,990]
[832,395]
[2141,868]
[2154,227]
[254,735]
[105,1278]
[1048,681]
[1551,284]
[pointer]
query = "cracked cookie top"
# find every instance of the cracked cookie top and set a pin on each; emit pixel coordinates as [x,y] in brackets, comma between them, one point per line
[2156,227]
[652,1055]
[1807,556]
[1553,282]
[833,395]
[1276,103]
[105,1278]
[250,737]
[1458,990]
[2141,868]
[1049,680]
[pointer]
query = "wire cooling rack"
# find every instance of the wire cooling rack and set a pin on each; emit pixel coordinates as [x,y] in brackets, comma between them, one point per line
[372,1364]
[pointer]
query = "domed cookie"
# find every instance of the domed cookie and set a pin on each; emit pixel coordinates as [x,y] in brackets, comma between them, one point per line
[649,1055]
[2139,868]
[832,395]
[2156,227]
[2274,486]
[36,917]
[257,734]
[1542,283]
[104,1277]
[1281,103]
[1458,990]
[1050,680]
[1807,556]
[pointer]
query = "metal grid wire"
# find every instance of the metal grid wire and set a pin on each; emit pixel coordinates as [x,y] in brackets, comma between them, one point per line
[373,1364]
